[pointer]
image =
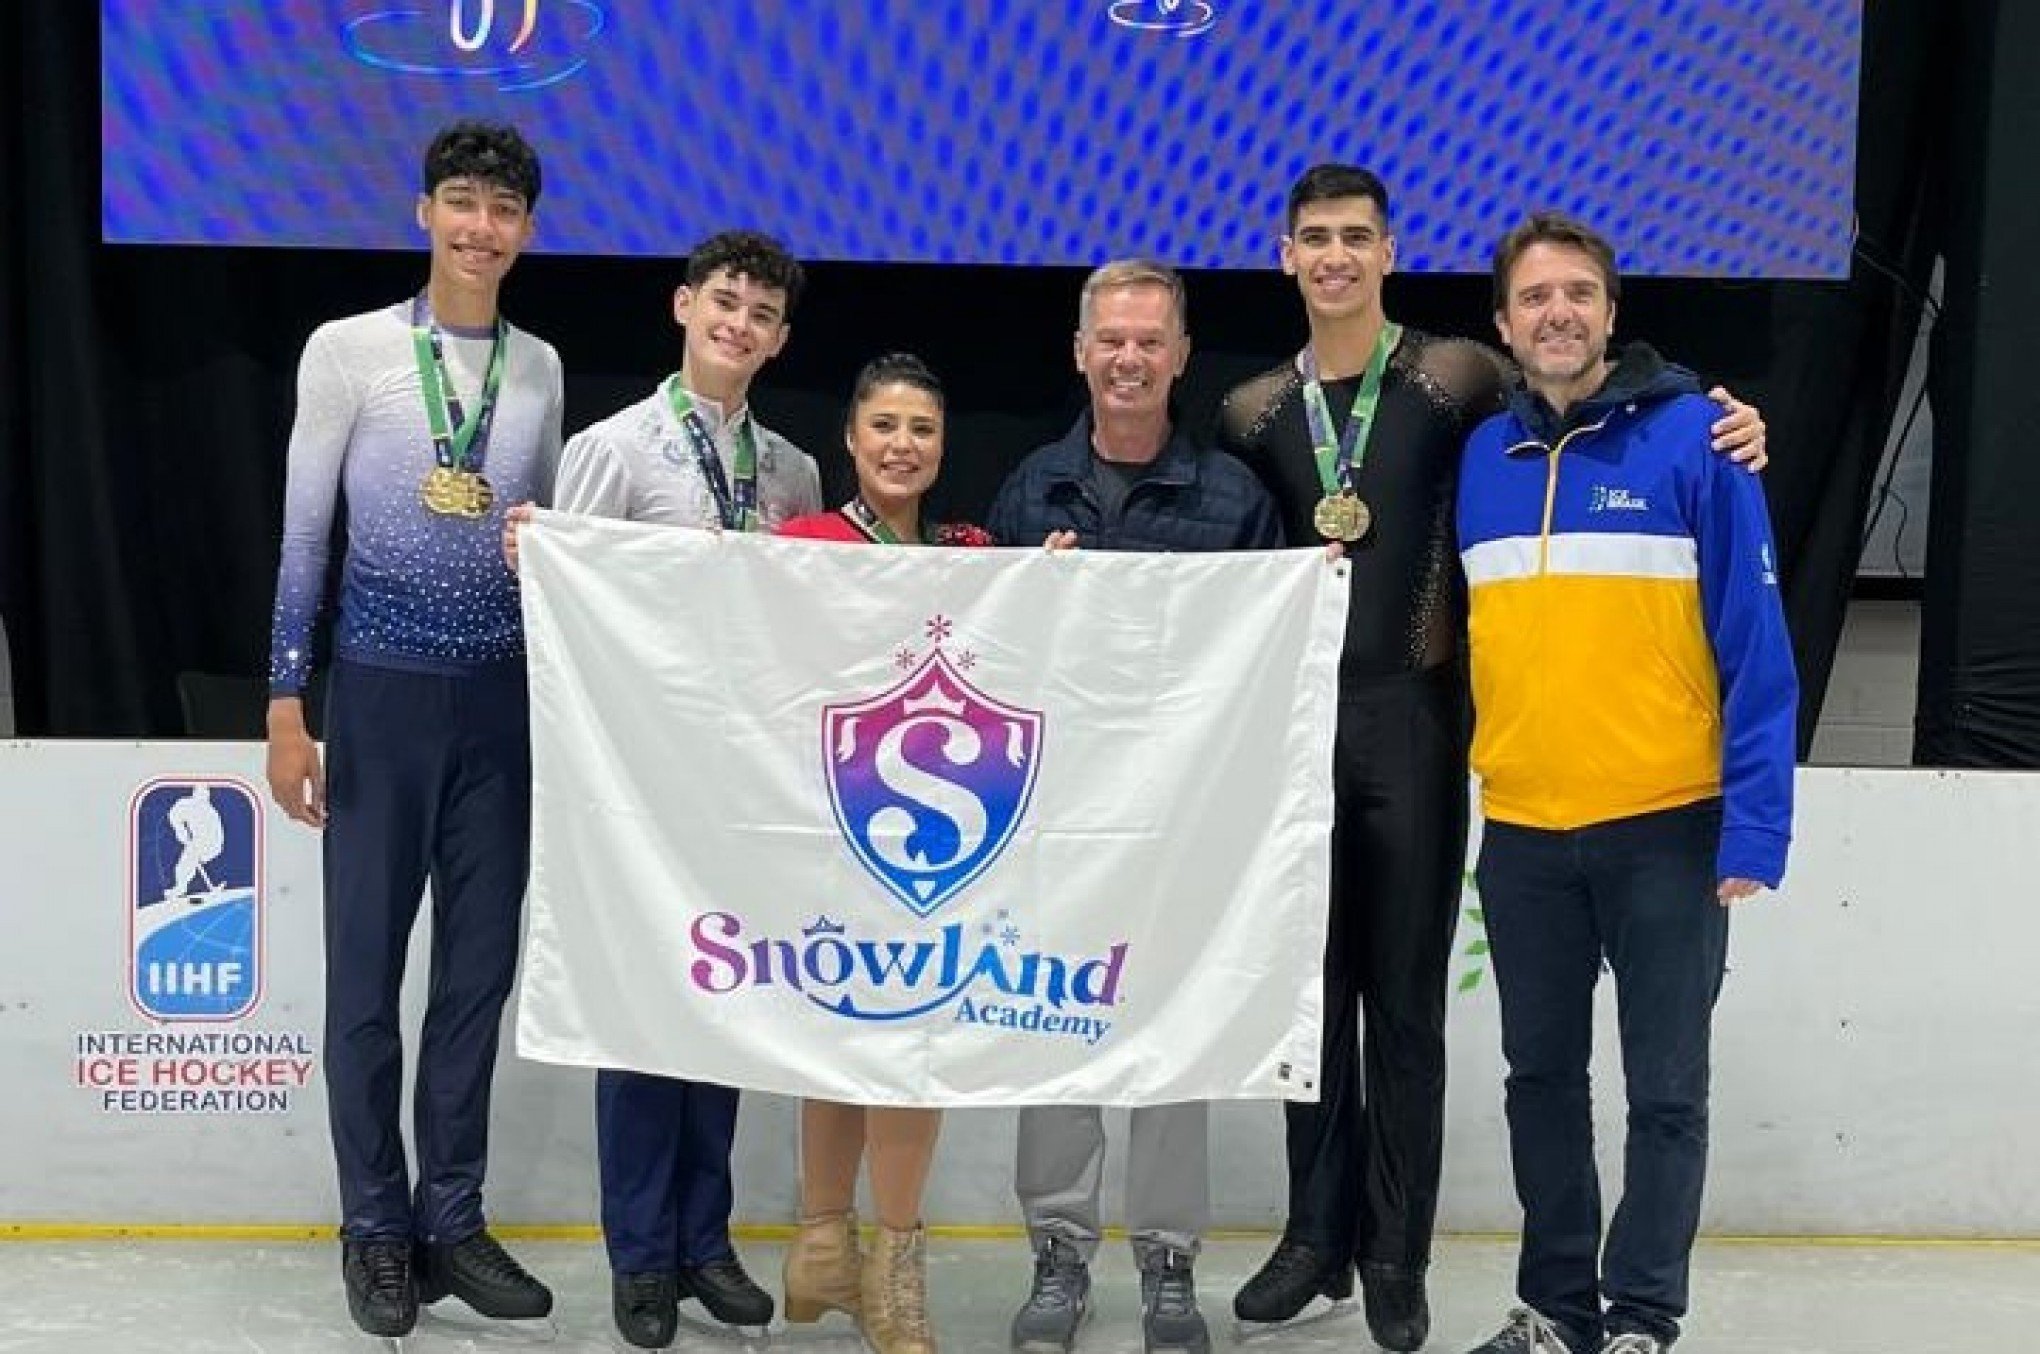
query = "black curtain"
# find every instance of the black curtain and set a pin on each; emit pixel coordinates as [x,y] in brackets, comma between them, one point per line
[148,391]
[1841,353]
[1979,692]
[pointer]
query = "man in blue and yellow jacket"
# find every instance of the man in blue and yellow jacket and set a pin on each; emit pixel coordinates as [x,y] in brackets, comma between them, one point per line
[1635,709]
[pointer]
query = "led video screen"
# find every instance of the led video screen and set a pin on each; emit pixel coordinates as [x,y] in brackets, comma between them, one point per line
[1707,137]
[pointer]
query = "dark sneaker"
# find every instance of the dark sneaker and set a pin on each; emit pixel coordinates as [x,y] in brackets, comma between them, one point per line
[728,1293]
[646,1308]
[1527,1333]
[482,1274]
[380,1294]
[1398,1312]
[1169,1320]
[1060,1299]
[1634,1342]
[1286,1284]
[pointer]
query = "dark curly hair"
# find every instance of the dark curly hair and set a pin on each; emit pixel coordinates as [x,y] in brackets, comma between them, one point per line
[746,253]
[488,152]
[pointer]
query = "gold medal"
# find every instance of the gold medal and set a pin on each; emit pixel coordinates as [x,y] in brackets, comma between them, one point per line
[457,493]
[477,495]
[1342,516]
[444,493]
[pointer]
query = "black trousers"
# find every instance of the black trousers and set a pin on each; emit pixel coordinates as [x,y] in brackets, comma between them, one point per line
[428,778]
[1364,1160]
[663,1147]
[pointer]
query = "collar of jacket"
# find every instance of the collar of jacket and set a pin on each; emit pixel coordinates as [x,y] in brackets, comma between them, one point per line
[1071,458]
[1640,376]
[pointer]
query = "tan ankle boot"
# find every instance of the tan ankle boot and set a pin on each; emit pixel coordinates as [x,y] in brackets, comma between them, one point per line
[822,1268]
[895,1319]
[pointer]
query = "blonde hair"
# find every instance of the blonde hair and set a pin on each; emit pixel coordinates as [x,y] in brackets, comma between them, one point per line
[1123,273]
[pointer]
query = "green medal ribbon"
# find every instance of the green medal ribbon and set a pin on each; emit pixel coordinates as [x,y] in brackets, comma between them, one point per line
[736,506]
[874,528]
[1341,453]
[458,442]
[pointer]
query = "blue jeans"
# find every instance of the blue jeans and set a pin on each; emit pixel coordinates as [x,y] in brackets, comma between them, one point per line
[1637,894]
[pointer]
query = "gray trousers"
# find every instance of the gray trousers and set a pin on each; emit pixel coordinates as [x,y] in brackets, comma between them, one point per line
[1061,1160]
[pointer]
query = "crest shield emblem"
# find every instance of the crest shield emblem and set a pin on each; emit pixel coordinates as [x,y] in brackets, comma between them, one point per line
[930,781]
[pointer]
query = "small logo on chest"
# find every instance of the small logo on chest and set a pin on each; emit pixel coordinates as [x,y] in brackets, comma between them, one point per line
[1605,499]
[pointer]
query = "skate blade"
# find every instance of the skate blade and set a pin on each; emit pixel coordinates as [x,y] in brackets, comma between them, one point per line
[457,1316]
[1320,1310]
[832,1330]
[706,1326]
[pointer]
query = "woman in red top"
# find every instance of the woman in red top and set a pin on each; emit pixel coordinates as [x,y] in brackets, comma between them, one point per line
[894,433]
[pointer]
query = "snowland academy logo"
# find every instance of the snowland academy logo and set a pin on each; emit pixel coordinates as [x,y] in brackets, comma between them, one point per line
[194,899]
[930,780]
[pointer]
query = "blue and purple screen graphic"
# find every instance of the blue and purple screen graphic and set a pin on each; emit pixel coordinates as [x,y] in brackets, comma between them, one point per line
[1707,137]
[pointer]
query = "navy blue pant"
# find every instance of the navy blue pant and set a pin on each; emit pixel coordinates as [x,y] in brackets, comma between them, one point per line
[427,778]
[1639,894]
[664,1147]
[1364,1159]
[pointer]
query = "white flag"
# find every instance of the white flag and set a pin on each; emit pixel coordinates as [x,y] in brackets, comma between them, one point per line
[928,827]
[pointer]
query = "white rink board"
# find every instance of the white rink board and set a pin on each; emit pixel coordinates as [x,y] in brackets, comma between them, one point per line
[1875,1055]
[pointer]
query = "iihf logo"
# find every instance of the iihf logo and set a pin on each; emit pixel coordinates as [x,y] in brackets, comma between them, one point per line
[195,900]
[930,780]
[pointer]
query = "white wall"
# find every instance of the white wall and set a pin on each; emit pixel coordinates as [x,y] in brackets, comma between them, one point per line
[1874,1073]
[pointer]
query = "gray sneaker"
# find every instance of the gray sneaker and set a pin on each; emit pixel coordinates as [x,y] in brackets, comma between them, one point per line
[1527,1333]
[1169,1320]
[1061,1299]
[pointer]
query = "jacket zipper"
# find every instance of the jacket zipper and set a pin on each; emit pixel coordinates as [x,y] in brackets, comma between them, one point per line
[1551,491]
